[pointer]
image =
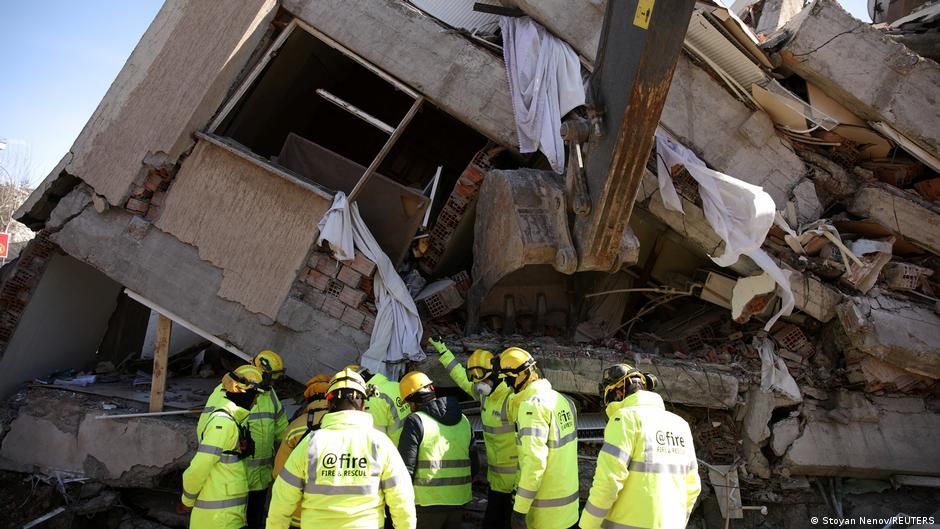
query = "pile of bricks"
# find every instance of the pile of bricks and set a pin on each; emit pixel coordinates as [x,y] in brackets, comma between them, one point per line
[20,286]
[464,193]
[342,290]
[147,199]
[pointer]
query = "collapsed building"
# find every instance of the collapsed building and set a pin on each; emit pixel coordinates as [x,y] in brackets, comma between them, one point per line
[194,200]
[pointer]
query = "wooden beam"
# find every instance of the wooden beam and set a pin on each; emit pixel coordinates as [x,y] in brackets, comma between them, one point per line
[161,347]
[374,166]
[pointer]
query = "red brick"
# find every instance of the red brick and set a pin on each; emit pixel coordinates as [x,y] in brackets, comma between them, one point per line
[353,317]
[473,174]
[349,276]
[352,297]
[141,192]
[368,323]
[314,259]
[367,287]
[363,265]
[137,206]
[333,306]
[317,280]
[152,213]
[153,181]
[158,198]
[328,266]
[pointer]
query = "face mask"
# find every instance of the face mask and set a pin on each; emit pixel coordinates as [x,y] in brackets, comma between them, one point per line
[482,388]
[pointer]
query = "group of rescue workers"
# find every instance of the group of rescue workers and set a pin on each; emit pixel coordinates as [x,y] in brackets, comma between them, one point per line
[367,452]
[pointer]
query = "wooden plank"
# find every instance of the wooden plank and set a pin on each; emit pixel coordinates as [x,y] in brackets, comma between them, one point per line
[161,348]
[399,130]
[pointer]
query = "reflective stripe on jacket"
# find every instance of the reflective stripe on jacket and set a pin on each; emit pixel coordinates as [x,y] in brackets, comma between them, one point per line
[499,432]
[442,475]
[295,432]
[268,423]
[216,482]
[386,407]
[344,475]
[548,457]
[647,472]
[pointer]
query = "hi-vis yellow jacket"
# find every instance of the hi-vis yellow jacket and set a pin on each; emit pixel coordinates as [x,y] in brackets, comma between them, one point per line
[548,458]
[647,473]
[344,474]
[295,432]
[268,422]
[499,432]
[216,482]
[387,409]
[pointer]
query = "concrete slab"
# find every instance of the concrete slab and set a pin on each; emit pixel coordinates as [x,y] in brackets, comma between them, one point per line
[915,222]
[897,332]
[896,443]
[460,77]
[570,370]
[864,70]
[171,274]
[121,452]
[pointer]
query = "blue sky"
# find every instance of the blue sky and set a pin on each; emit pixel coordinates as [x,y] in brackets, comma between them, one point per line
[58,58]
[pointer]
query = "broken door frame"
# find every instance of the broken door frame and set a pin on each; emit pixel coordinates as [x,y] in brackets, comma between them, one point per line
[272,52]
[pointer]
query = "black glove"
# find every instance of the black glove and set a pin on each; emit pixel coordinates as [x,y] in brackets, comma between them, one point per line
[517,521]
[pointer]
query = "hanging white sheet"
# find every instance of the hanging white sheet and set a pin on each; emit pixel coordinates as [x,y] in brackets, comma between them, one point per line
[545,81]
[396,336]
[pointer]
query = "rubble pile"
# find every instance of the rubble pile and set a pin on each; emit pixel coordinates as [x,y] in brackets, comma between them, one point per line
[807,363]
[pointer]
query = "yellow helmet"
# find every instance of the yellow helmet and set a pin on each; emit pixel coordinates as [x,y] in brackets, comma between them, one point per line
[317,386]
[413,382]
[480,365]
[518,366]
[616,377]
[270,362]
[243,379]
[346,380]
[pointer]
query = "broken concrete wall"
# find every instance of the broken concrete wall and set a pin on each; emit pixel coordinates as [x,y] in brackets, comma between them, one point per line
[257,226]
[728,135]
[864,70]
[173,82]
[897,332]
[458,76]
[572,371]
[171,274]
[126,453]
[63,324]
[919,224]
[866,437]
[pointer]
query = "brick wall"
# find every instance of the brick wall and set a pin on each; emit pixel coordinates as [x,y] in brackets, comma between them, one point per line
[147,198]
[341,290]
[20,284]
[465,191]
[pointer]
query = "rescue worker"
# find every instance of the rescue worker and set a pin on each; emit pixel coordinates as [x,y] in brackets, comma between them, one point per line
[268,423]
[306,421]
[481,381]
[647,472]
[215,485]
[547,441]
[437,448]
[345,473]
[386,407]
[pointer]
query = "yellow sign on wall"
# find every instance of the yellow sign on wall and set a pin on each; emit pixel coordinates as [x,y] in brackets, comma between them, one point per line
[644,11]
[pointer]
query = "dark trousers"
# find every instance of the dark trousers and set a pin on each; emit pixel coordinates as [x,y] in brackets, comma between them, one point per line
[498,510]
[440,518]
[257,503]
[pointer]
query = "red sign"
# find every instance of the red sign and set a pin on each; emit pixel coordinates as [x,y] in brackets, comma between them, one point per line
[4,245]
